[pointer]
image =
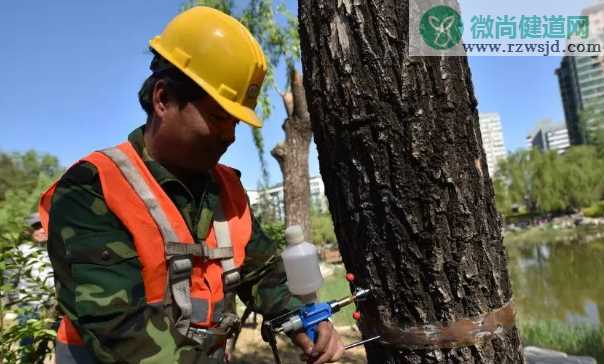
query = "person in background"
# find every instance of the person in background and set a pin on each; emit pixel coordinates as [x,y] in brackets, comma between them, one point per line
[40,268]
[34,281]
[38,233]
[32,251]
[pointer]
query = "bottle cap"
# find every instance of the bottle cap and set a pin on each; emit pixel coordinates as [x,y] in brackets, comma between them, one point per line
[294,235]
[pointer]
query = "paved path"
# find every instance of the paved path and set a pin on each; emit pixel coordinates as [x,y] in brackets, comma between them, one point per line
[536,355]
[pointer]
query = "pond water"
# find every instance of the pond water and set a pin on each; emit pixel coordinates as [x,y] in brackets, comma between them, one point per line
[559,282]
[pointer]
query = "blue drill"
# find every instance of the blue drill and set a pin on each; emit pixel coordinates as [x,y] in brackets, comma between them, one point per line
[307,318]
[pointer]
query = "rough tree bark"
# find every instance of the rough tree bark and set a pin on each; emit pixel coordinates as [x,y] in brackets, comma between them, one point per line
[292,155]
[405,173]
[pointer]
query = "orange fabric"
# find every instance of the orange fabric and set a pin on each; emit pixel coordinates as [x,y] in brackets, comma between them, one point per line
[44,206]
[130,209]
[124,202]
[236,209]
[68,334]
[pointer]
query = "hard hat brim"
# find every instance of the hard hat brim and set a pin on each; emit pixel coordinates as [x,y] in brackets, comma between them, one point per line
[245,114]
[234,109]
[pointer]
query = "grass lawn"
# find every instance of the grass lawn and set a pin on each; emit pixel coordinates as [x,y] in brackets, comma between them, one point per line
[557,335]
[335,287]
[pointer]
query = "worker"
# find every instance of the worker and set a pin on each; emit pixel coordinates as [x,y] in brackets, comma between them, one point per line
[147,237]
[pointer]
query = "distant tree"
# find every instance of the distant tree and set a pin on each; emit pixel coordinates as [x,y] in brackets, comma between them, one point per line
[516,174]
[502,196]
[25,176]
[275,230]
[592,123]
[583,176]
[9,175]
[548,181]
[22,170]
[322,227]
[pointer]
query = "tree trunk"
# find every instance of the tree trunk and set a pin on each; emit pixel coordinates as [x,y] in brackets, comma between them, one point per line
[405,173]
[292,155]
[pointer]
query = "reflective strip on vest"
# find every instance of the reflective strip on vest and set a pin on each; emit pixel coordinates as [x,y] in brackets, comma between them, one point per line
[143,190]
[178,287]
[200,309]
[230,276]
[218,311]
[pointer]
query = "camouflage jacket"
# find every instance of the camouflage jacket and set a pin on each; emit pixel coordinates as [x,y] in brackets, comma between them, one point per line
[105,299]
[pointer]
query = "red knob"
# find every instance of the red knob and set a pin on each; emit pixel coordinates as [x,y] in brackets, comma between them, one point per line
[350,277]
[356,315]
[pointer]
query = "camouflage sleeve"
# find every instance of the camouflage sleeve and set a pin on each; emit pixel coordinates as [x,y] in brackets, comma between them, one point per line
[99,283]
[264,286]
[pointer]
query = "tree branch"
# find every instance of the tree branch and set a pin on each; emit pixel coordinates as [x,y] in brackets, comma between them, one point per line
[279,152]
[288,104]
[300,108]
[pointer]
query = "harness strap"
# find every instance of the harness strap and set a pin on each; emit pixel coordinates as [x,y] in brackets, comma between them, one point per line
[179,288]
[179,255]
[142,189]
[215,338]
[198,250]
[230,275]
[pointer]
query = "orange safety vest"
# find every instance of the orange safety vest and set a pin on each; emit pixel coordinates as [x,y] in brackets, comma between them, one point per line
[152,219]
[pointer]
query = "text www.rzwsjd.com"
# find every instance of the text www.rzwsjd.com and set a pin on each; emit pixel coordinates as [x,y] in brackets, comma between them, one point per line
[544,49]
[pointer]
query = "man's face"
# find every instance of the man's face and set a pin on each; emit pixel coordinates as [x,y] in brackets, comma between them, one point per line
[39,235]
[198,134]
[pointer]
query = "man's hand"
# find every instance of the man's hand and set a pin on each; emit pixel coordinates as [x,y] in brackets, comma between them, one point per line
[328,348]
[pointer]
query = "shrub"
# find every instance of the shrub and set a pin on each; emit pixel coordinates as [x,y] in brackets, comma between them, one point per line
[595,210]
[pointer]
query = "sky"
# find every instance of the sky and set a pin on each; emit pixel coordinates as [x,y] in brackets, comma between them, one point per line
[71,71]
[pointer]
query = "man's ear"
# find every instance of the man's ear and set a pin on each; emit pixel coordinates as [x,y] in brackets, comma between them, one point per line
[160,98]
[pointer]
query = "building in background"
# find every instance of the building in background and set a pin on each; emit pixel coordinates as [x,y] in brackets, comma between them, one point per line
[557,139]
[581,79]
[274,196]
[276,200]
[571,98]
[492,140]
[536,140]
[549,136]
[596,16]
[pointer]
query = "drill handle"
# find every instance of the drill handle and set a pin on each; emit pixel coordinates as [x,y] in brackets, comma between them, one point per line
[311,332]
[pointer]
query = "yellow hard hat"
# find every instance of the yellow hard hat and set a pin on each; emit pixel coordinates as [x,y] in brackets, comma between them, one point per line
[220,55]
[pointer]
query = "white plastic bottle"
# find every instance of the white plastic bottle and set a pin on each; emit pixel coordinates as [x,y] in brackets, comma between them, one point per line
[301,263]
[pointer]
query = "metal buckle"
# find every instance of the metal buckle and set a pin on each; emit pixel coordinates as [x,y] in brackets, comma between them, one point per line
[231,279]
[199,331]
[202,337]
[181,266]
